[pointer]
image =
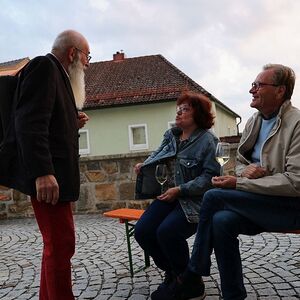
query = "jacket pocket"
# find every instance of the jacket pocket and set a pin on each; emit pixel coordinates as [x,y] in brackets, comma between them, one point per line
[188,163]
[190,168]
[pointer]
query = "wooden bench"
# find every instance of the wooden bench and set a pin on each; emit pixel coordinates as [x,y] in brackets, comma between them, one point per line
[125,215]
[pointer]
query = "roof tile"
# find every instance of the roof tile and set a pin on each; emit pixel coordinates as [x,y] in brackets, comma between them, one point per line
[145,79]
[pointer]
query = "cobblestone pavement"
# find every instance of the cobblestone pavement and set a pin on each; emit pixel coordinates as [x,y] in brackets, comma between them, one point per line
[100,266]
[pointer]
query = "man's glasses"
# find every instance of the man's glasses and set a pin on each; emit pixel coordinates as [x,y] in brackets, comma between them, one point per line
[88,57]
[257,85]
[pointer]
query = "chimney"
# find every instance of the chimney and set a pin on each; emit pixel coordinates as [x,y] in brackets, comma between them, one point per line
[119,56]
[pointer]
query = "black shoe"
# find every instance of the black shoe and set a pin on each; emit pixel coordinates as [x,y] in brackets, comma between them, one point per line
[163,289]
[191,287]
[166,292]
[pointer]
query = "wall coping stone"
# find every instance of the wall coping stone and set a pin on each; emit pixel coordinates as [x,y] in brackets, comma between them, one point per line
[115,156]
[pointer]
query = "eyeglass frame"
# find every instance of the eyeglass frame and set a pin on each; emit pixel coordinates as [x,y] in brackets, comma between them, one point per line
[183,109]
[87,55]
[257,85]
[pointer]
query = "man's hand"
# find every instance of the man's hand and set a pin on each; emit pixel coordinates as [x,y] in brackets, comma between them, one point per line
[82,119]
[47,189]
[170,195]
[254,171]
[224,182]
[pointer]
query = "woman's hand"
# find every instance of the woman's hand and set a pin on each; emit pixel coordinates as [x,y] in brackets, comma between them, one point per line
[137,168]
[170,195]
[224,182]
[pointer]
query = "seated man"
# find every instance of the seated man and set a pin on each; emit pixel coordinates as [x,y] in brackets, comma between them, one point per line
[265,195]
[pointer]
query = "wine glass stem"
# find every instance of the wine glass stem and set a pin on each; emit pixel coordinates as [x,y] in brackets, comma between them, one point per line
[222,170]
[162,188]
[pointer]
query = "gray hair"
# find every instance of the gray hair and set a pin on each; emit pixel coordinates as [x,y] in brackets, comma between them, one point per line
[283,75]
[65,40]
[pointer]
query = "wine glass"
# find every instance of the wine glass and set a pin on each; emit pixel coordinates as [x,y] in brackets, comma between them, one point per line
[161,175]
[222,154]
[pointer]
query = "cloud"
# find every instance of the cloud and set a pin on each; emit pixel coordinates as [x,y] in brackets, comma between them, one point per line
[221,44]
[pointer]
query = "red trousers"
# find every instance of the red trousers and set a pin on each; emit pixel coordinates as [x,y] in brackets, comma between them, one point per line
[57,228]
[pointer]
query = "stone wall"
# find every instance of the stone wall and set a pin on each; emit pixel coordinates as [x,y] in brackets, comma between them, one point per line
[16,205]
[107,182]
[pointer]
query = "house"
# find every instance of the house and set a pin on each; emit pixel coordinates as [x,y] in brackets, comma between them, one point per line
[131,103]
[12,67]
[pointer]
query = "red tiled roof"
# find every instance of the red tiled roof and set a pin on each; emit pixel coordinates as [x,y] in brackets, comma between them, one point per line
[13,63]
[137,80]
[13,66]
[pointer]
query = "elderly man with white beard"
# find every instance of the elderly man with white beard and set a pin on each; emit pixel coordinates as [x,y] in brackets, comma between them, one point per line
[76,74]
[44,131]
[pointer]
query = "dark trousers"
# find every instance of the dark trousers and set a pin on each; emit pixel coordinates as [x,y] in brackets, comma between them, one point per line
[162,232]
[57,228]
[224,215]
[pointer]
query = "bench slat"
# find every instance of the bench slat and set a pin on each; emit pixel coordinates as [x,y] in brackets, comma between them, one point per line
[125,214]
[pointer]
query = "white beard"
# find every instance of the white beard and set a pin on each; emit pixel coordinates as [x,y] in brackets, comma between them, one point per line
[76,73]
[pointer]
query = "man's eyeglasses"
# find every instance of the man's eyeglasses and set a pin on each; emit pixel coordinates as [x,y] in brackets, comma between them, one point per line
[257,85]
[88,57]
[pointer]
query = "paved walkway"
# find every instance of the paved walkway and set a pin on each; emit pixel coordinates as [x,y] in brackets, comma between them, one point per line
[100,268]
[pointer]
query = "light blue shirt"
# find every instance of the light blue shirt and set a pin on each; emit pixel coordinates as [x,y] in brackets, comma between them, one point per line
[265,129]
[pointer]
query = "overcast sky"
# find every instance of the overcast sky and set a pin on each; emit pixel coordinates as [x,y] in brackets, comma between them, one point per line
[221,44]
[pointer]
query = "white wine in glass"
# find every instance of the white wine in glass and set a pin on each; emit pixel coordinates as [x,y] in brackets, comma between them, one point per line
[222,154]
[161,175]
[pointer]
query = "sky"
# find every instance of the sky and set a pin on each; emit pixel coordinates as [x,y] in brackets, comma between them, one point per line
[220,44]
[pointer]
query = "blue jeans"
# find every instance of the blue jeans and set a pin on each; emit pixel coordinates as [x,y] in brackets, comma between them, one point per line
[224,215]
[162,232]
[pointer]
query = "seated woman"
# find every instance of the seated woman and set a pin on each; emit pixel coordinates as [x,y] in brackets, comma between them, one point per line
[188,150]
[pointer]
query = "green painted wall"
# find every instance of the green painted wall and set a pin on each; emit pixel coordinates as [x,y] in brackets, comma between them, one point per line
[108,128]
[225,123]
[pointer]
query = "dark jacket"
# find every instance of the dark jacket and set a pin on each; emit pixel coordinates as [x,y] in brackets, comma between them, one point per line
[43,135]
[195,165]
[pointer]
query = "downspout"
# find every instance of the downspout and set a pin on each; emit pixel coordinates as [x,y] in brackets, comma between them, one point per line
[237,125]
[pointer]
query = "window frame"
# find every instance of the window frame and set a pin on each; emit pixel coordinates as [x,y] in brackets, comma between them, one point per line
[137,147]
[85,151]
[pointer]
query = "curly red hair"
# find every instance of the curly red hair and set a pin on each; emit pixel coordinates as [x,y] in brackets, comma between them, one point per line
[201,104]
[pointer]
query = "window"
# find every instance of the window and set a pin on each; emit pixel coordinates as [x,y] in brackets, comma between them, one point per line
[84,142]
[138,137]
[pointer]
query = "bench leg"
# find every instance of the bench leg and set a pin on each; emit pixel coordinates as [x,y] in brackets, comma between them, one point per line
[129,233]
[129,228]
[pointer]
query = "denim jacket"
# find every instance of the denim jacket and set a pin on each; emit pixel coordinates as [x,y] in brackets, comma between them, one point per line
[195,165]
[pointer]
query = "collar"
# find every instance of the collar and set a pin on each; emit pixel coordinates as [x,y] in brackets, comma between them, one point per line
[60,64]
[283,108]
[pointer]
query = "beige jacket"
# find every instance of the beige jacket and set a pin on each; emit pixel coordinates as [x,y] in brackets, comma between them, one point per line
[280,154]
